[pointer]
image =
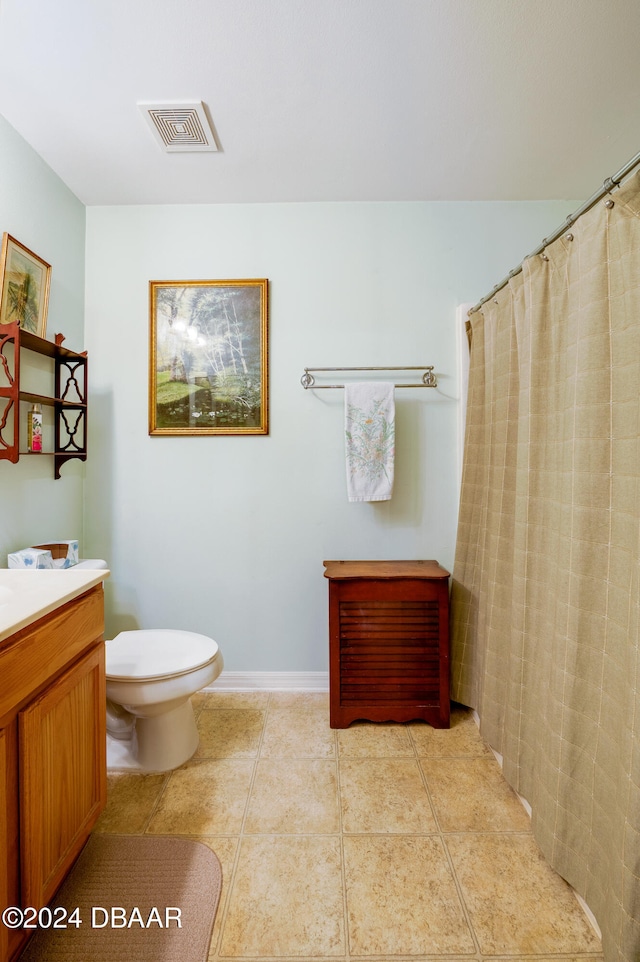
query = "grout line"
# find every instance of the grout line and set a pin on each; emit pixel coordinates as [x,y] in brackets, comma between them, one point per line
[165,782]
[345,907]
[241,835]
[441,835]
[459,890]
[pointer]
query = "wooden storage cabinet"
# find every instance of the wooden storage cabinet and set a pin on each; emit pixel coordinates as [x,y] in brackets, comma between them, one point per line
[52,752]
[388,641]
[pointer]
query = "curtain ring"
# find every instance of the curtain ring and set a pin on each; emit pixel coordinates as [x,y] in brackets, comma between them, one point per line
[609,204]
[544,257]
[568,237]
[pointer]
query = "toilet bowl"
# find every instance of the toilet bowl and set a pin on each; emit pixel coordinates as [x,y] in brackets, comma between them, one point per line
[151,675]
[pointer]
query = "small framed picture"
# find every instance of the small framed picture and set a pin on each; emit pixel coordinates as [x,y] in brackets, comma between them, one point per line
[24,287]
[208,370]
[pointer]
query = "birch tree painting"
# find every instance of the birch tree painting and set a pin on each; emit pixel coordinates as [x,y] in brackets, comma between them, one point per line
[208,357]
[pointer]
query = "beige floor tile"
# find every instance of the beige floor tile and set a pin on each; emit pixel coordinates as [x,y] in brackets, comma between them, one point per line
[472,795]
[368,740]
[281,844]
[384,795]
[225,848]
[230,699]
[207,797]
[401,898]
[565,958]
[517,903]
[131,798]
[462,738]
[300,699]
[294,796]
[297,733]
[286,899]
[229,733]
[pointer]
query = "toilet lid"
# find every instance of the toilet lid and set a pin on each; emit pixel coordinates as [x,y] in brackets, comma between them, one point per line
[157,653]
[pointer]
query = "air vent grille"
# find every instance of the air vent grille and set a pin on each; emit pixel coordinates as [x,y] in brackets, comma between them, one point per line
[180,127]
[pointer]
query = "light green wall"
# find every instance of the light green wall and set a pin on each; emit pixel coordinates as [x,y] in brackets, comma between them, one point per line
[226,535]
[41,212]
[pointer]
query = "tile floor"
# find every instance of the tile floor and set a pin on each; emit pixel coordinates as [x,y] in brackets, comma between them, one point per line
[374,842]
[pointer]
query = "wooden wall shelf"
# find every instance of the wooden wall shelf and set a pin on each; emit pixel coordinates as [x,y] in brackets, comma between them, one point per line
[69,401]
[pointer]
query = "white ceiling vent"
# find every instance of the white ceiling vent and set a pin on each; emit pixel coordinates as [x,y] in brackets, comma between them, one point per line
[180,127]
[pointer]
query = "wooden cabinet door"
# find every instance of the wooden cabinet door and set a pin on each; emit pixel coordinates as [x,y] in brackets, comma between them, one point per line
[62,744]
[11,940]
[4,840]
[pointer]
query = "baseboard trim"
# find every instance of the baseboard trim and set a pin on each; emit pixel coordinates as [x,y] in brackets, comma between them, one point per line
[271,681]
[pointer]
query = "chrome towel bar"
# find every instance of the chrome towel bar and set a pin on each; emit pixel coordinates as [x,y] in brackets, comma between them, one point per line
[307,380]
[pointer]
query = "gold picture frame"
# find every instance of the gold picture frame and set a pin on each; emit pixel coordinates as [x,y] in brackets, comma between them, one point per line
[208,357]
[24,287]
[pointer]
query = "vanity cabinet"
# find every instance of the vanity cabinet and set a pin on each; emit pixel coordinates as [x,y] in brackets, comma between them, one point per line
[68,401]
[388,641]
[52,752]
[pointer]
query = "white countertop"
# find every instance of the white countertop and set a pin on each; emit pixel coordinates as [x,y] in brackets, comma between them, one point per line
[27,595]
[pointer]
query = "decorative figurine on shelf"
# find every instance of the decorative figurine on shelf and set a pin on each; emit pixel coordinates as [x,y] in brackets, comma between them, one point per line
[34,429]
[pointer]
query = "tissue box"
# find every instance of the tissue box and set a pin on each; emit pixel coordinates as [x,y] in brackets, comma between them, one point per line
[30,558]
[64,554]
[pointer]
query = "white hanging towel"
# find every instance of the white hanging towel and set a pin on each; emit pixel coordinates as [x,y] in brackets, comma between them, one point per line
[369,422]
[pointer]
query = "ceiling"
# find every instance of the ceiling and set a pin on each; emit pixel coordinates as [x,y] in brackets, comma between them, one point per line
[328,100]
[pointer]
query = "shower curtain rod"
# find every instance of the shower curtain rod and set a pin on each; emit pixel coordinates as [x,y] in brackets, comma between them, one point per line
[609,184]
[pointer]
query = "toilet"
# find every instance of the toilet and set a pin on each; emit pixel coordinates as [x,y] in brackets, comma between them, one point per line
[151,676]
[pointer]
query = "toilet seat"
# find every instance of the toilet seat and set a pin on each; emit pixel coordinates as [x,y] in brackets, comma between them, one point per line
[157,653]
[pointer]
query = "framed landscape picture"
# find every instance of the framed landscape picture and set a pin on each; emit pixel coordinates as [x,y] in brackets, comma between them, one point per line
[24,287]
[208,358]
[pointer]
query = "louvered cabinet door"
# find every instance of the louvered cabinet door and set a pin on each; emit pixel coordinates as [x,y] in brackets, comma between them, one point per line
[389,642]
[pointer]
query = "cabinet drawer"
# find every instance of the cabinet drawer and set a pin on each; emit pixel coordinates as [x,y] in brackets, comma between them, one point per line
[37,653]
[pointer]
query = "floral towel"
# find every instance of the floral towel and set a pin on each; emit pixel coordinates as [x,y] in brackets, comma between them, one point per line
[370,440]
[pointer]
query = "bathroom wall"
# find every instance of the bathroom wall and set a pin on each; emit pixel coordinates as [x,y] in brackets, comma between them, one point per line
[226,535]
[41,212]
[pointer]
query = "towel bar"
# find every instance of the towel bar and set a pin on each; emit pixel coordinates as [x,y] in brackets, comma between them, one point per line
[307,380]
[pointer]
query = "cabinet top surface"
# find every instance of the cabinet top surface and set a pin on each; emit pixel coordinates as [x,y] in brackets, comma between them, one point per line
[384,569]
[26,596]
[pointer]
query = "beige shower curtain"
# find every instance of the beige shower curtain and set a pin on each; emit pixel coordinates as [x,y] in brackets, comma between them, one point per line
[545,591]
